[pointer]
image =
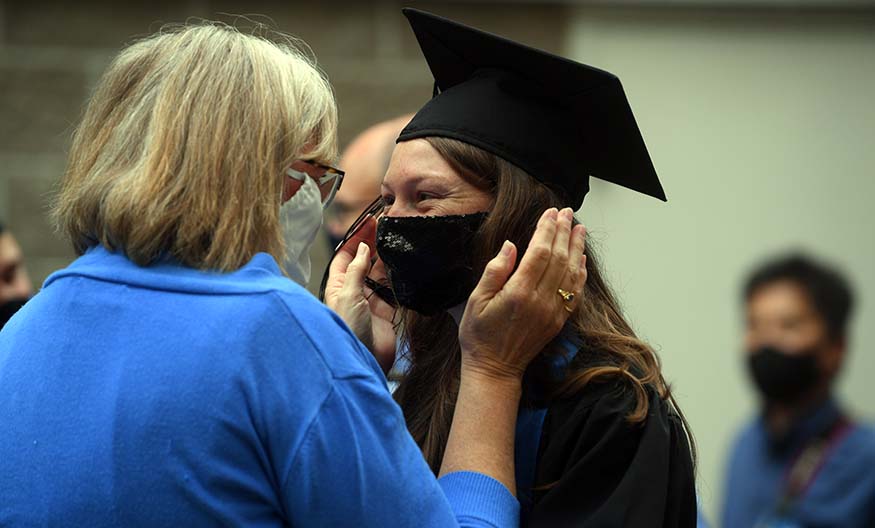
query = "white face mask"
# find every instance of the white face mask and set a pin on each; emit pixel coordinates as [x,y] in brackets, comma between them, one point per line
[300,219]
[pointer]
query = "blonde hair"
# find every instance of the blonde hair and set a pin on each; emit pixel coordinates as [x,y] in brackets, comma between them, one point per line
[183,146]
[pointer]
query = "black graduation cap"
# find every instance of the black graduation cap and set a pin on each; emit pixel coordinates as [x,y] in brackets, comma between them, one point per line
[558,120]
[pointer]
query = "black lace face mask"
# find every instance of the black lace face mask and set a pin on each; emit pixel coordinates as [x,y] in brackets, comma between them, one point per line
[429,259]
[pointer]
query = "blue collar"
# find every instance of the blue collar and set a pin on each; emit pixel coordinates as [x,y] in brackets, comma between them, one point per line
[570,343]
[168,274]
[566,346]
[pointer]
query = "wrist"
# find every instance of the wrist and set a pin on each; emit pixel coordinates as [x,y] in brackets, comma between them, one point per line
[496,378]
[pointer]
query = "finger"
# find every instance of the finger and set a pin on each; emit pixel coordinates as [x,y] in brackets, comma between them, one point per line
[557,269]
[337,269]
[575,278]
[576,246]
[583,246]
[354,282]
[496,272]
[366,233]
[378,306]
[537,255]
[580,279]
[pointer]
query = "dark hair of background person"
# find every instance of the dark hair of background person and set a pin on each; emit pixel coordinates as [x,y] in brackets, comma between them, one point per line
[828,291]
[427,393]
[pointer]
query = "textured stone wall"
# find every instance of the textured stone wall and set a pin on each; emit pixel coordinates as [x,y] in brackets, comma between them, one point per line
[52,52]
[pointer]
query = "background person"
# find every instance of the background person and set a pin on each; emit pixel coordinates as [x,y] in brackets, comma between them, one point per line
[803,461]
[15,285]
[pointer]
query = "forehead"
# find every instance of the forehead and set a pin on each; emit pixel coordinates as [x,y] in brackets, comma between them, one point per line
[417,161]
[782,297]
[8,247]
[314,151]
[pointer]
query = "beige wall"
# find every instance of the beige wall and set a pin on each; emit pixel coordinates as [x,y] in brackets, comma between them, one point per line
[762,128]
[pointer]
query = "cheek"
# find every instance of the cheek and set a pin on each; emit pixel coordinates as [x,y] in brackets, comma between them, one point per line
[401,208]
[810,334]
[751,342]
[768,331]
[486,201]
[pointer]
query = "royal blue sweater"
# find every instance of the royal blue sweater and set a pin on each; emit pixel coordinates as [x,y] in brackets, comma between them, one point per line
[164,395]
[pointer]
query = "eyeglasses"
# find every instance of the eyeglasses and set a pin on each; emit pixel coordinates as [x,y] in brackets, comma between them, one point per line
[329,179]
[374,210]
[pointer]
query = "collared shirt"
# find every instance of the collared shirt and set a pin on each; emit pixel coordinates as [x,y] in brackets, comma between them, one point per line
[842,493]
[169,396]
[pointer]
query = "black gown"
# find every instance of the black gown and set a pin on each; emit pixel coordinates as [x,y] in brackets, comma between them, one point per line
[594,468]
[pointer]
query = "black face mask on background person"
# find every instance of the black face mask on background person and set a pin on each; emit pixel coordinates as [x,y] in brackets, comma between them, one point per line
[781,377]
[8,309]
[429,259]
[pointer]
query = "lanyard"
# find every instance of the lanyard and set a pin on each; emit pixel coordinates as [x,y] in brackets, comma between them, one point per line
[808,462]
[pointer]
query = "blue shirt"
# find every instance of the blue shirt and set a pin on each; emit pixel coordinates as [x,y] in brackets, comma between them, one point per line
[841,494]
[164,395]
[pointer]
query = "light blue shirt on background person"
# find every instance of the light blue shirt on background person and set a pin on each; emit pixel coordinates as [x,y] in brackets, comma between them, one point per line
[164,395]
[840,492]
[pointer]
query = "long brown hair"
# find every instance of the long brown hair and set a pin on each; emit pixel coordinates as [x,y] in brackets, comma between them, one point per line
[427,393]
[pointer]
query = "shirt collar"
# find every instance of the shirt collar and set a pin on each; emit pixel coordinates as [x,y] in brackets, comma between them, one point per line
[261,273]
[566,346]
[814,421]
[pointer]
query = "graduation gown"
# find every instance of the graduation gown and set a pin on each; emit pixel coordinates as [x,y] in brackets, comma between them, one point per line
[594,468]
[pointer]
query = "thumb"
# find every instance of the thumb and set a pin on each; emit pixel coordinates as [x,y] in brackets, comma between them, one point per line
[366,233]
[356,271]
[339,265]
[497,272]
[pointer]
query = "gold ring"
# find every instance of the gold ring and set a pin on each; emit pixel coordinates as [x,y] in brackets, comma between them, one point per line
[567,296]
[567,308]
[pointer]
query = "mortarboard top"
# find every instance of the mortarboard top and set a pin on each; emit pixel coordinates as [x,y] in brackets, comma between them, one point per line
[558,120]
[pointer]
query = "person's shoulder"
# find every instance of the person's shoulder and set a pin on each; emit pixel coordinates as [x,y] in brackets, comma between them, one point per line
[604,405]
[612,394]
[853,457]
[324,332]
[748,432]
[862,438]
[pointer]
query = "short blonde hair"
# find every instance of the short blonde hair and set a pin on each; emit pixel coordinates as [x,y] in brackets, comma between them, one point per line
[183,146]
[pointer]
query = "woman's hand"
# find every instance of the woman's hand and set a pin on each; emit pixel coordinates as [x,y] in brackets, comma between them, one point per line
[508,320]
[368,316]
[511,316]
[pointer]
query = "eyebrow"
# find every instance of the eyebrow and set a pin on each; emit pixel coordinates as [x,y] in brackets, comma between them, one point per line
[316,161]
[413,180]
